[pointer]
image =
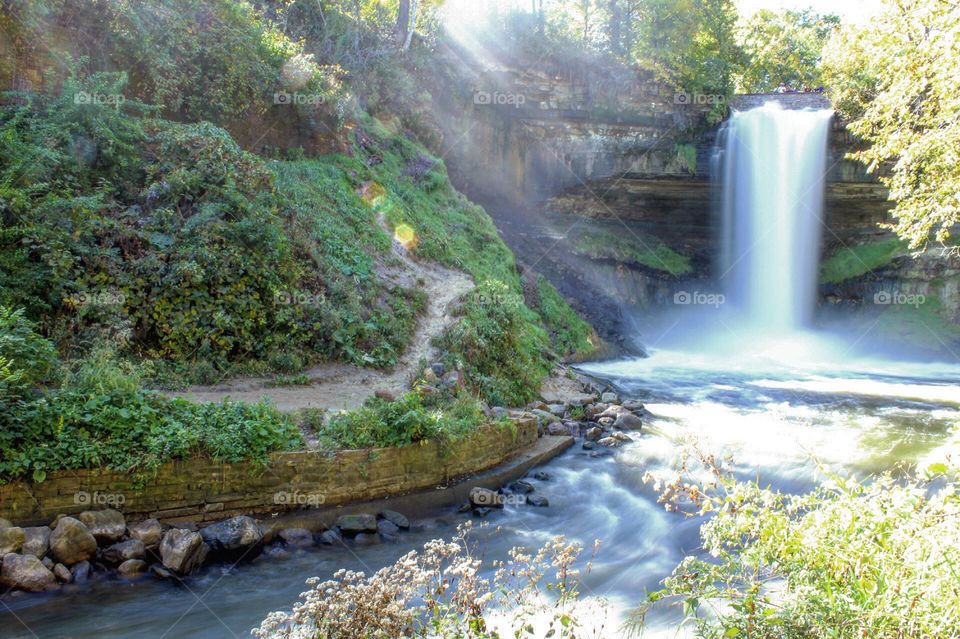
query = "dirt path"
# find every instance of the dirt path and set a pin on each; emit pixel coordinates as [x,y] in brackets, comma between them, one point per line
[345,386]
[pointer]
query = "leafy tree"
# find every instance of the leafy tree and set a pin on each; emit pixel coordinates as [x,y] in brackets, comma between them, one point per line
[897,79]
[783,46]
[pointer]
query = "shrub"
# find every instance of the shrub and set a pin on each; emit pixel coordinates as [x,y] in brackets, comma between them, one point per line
[499,344]
[410,419]
[846,561]
[26,358]
[440,592]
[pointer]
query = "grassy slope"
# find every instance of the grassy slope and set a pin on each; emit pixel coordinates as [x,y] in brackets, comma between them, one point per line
[850,262]
[651,252]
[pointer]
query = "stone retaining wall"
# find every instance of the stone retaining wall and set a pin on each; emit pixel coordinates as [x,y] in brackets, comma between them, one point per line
[205,489]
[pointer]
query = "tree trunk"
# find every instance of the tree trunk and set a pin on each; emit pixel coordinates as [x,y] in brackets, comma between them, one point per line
[412,25]
[403,22]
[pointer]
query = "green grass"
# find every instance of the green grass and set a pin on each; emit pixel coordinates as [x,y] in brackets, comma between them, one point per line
[645,251]
[850,262]
[569,333]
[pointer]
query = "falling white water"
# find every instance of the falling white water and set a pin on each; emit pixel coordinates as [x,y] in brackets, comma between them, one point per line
[773,189]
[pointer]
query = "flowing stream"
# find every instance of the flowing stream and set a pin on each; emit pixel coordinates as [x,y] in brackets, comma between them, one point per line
[785,406]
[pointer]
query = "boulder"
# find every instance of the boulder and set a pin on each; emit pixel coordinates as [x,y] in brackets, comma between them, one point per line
[613,412]
[234,536]
[36,541]
[499,413]
[183,551]
[366,539]
[330,538]
[610,442]
[149,531]
[538,501]
[627,421]
[385,395]
[11,539]
[80,573]
[520,487]
[545,417]
[25,572]
[557,429]
[573,428]
[107,526]
[162,572]
[623,437]
[395,518]
[633,405]
[557,409]
[542,476]
[71,542]
[297,537]
[593,434]
[62,573]
[610,398]
[485,498]
[351,525]
[132,568]
[124,551]
[588,445]
[388,530]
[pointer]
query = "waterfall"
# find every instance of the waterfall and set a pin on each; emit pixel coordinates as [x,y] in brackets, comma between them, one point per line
[772,168]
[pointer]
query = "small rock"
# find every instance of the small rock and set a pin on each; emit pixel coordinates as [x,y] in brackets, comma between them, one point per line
[366,539]
[605,422]
[465,507]
[11,539]
[500,413]
[610,442]
[297,537]
[162,572]
[633,405]
[426,390]
[430,377]
[81,572]
[388,530]
[62,573]
[132,568]
[276,552]
[610,398]
[149,531]
[557,429]
[71,542]
[232,536]
[124,551]
[268,532]
[330,538]
[351,525]
[485,498]
[613,412]
[557,409]
[520,487]
[538,501]
[437,368]
[395,518]
[183,551]
[573,428]
[25,572]
[593,434]
[545,417]
[454,380]
[46,561]
[385,395]
[36,541]
[542,476]
[627,421]
[482,511]
[107,526]
[588,445]
[623,437]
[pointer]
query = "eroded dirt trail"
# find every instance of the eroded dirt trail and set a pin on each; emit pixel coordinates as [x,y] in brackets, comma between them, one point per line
[340,386]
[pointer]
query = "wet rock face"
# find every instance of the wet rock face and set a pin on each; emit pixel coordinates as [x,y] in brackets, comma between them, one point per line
[107,526]
[25,572]
[183,551]
[71,542]
[351,525]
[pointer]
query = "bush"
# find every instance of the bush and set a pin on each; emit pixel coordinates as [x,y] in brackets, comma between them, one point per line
[846,561]
[410,419]
[134,432]
[26,358]
[499,344]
